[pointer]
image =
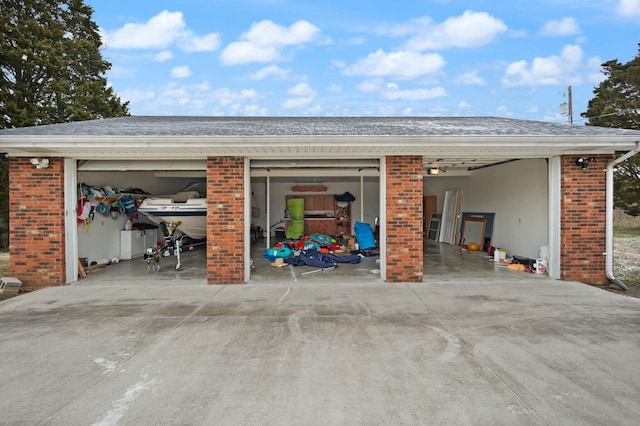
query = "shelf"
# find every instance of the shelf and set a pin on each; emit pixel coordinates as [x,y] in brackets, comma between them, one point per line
[323,215]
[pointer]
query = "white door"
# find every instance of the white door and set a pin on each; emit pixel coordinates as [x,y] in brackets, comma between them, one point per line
[450,216]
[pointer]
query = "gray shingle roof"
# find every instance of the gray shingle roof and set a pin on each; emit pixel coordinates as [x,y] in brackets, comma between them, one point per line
[311,126]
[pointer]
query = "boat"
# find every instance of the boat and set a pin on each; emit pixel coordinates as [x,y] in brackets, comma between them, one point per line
[186,209]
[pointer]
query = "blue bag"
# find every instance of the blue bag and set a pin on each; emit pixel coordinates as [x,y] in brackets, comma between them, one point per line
[364,236]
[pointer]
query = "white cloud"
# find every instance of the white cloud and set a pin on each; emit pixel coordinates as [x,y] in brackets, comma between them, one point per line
[391,91]
[181,72]
[242,52]
[193,43]
[629,8]
[192,99]
[254,110]
[297,102]
[471,77]
[402,64]
[418,94]
[369,86]
[502,110]
[551,70]
[267,33]
[163,56]
[301,89]
[471,29]
[271,70]
[464,105]
[356,41]
[304,95]
[594,70]
[159,32]
[265,39]
[135,95]
[561,27]
[227,96]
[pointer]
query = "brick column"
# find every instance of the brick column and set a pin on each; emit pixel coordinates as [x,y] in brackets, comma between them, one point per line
[405,260]
[225,220]
[582,221]
[36,223]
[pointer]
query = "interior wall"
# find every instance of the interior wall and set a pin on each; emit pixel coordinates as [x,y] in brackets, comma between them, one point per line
[259,199]
[364,208]
[516,192]
[100,239]
[137,179]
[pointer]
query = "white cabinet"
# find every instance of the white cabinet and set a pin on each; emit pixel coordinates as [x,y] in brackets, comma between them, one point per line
[135,243]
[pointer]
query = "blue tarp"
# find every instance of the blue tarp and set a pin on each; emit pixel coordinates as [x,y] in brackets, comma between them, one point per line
[321,260]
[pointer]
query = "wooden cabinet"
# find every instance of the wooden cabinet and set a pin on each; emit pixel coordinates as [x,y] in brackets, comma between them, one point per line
[316,226]
[317,203]
[323,215]
[319,226]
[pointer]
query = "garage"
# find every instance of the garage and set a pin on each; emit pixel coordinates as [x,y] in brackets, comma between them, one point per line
[523,180]
[483,192]
[104,239]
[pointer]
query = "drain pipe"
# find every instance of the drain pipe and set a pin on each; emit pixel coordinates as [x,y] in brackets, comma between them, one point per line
[609,217]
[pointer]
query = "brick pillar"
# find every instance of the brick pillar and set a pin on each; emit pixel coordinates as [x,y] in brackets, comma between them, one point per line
[404,219]
[225,220]
[583,220]
[36,223]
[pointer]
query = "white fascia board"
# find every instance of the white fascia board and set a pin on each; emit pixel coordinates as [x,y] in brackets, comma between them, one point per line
[157,147]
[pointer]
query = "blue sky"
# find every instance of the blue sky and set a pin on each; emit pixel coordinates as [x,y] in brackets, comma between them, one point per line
[356,58]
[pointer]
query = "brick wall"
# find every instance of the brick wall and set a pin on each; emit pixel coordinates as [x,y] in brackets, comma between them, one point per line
[404,219]
[36,221]
[583,217]
[225,220]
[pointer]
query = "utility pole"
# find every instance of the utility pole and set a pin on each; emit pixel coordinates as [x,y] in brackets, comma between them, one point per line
[570,106]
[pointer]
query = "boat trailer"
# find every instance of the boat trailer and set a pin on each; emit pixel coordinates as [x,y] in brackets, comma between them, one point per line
[173,244]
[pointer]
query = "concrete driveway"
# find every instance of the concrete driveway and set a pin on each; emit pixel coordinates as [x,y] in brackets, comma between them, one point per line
[488,351]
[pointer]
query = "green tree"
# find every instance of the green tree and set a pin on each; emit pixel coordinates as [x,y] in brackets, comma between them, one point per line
[52,66]
[52,71]
[617,104]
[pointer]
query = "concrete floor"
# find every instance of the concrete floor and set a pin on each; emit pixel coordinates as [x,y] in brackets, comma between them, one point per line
[442,263]
[494,348]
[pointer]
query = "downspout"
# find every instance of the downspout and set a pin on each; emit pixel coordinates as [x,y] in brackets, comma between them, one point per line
[609,217]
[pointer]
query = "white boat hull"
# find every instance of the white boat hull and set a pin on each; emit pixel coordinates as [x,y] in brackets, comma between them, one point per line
[191,215]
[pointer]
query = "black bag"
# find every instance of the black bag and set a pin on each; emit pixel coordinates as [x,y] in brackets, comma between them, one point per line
[520,260]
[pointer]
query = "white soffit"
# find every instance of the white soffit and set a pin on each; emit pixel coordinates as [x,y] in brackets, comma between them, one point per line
[142,165]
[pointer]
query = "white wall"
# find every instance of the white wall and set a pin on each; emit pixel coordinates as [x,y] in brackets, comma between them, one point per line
[101,239]
[516,192]
[365,207]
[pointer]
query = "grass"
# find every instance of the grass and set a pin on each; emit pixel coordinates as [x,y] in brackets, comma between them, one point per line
[4,263]
[626,234]
[4,269]
[627,227]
